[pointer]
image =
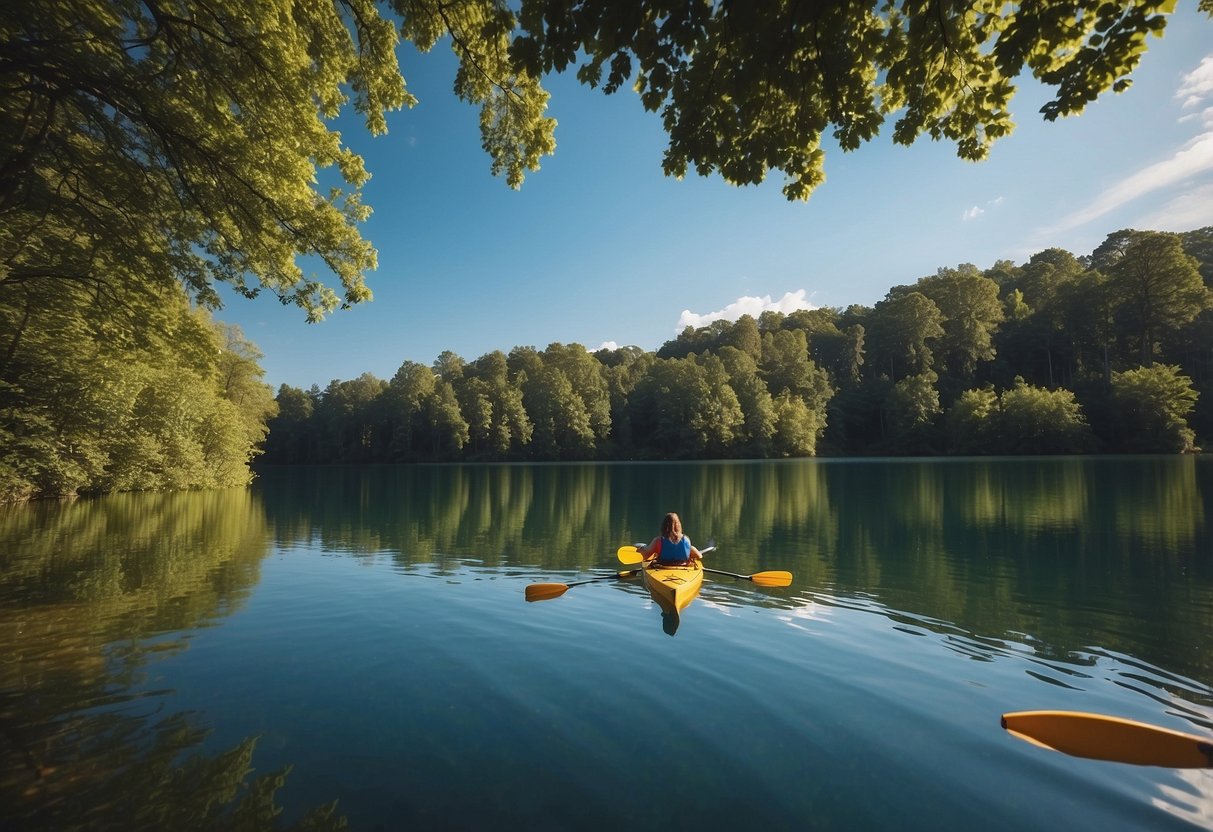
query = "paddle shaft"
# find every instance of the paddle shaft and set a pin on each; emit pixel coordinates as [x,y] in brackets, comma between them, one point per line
[631,554]
[546,591]
[774,578]
[730,574]
[627,574]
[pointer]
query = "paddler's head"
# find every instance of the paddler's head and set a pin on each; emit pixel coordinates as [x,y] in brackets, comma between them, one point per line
[671,527]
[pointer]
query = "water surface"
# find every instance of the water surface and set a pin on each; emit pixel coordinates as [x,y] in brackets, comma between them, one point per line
[359,636]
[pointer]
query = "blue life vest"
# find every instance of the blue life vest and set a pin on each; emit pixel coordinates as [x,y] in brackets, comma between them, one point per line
[679,552]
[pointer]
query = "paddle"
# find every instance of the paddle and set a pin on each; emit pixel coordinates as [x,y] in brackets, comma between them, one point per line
[1100,737]
[773,578]
[631,554]
[544,592]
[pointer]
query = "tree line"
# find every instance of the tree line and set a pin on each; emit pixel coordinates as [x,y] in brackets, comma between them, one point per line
[1108,352]
[148,154]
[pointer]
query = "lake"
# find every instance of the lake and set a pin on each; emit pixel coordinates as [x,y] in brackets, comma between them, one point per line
[359,637]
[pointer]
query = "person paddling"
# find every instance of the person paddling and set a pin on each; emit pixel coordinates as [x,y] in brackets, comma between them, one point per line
[671,547]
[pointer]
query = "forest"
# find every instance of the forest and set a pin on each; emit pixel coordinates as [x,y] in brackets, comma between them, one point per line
[1106,353]
[150,157]
[1110,352]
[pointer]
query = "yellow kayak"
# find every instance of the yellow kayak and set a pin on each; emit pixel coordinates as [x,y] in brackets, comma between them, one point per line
[673,587]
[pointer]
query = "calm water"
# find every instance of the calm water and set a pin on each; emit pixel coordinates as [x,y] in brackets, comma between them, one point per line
[360,636]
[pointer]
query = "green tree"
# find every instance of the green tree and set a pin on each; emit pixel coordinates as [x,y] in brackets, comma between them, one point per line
[1087,311]
[971,313]
[785,362]
[1004,273]
[406,403]
[1152,408]
[1108,253]
[745,336]
[1159,287]
[668,409]
[290,437]
[1039,338]
[972,422]
[622,369]
[240,382]
[477,409]
[148,135]
[449,366]
[90,404]
[584,373]
[757,406]
[1199,244]
[509,427]
[1044,272]
[563,429]
[719,414]
[912,407]
[349,418]
[797,426]
[840,353]
[1035,420]
[947,70]
[900,327]
[421,416]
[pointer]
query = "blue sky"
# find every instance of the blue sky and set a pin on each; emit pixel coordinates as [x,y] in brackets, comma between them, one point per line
[599,246]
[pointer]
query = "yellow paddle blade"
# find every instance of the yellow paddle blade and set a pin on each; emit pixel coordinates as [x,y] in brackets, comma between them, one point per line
[775,578]
[542,592]
[1100,737]
[629,554]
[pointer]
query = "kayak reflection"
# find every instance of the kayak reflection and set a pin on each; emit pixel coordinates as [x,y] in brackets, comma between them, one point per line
[673,588]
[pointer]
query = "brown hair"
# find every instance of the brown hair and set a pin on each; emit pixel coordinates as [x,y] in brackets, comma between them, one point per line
[671,528]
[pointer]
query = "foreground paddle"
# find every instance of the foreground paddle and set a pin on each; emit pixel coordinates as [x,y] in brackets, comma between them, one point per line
[543,592]
[1100,737]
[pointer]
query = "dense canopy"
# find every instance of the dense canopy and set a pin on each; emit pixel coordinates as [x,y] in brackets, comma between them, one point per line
[144,141]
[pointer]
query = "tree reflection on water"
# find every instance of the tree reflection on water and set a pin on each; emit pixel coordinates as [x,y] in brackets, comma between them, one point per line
[90,592]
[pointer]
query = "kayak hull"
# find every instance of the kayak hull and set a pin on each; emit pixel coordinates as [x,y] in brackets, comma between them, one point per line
[673,587]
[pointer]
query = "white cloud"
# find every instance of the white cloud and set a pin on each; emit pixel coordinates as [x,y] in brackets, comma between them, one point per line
[607,345]
[1193,159]
[745,306]
[1197,85]
[1190,161]
[1205,117]
[976,211]
[1192,209]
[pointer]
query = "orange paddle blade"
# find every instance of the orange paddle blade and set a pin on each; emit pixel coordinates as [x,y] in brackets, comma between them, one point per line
[775,578]
[1100,737]
[542,592]
[629,554]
